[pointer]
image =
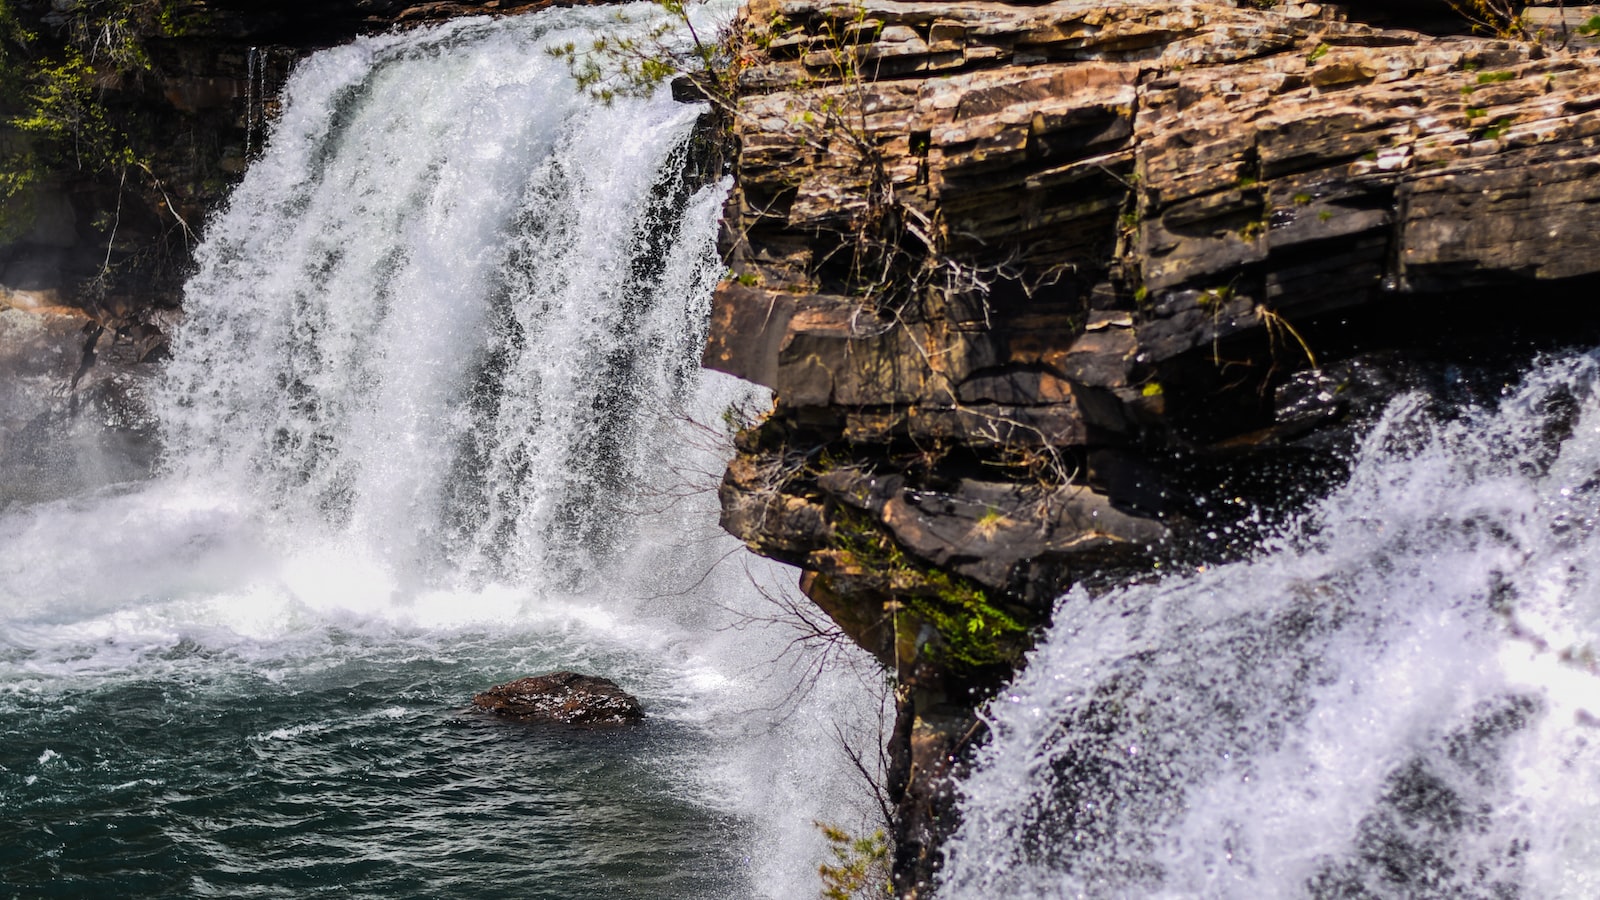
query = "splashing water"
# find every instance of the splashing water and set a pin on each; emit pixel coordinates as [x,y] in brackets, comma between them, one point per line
[429,425]
[1400,699]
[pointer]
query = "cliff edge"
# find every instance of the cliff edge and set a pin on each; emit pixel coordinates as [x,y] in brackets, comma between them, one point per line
[1067,293]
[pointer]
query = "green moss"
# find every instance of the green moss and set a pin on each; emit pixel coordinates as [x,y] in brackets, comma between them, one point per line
[1494,77]
[1498,130]
[973,632]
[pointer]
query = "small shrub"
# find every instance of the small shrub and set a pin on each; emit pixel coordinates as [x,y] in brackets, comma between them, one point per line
[52,94]
[1498,18]
[860,867]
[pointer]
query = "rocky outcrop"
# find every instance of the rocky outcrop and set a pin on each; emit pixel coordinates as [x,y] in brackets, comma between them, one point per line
[1065,293]
[71,408]
[562,698]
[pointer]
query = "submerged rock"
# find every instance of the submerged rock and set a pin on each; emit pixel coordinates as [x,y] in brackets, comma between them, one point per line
[562,698]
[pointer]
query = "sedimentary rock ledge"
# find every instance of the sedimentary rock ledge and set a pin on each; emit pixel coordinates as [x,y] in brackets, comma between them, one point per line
[1042,288]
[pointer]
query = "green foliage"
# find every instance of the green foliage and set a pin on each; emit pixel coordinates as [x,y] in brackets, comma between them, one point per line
[973,632]
[53,113]
[64,109]
[1590,28]
[1498,18]
[860,867]
[1497,130]
[637,61]
[1494,77]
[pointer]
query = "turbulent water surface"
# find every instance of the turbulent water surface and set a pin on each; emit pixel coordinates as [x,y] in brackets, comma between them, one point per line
[1399,699]
[433,422]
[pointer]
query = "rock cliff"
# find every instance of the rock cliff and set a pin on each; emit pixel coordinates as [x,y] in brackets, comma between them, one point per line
[150,110]
[1068,292]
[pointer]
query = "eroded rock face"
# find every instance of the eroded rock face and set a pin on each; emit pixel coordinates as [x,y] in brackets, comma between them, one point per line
[1039,289]
[563,698]
[73,412]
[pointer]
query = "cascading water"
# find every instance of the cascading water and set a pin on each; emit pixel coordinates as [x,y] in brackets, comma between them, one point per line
[429,425]
[1399,699]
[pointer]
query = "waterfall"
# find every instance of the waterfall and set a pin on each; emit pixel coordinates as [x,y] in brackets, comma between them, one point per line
[450,305]
[1397,698]
[434,419]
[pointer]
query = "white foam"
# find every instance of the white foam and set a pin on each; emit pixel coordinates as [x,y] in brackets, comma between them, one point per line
[438,380]
[1417,652]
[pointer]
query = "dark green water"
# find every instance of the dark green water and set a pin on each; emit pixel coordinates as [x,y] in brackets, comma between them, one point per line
[429,425]
[361,774]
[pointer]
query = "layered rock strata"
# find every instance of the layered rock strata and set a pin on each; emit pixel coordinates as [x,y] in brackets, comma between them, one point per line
[1044,290]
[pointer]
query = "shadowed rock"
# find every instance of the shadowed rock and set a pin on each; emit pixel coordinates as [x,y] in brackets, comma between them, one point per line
[562,698]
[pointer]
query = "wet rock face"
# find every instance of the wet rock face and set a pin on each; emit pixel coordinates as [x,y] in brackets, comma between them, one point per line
[1040,289]
[73,411]
[562,698]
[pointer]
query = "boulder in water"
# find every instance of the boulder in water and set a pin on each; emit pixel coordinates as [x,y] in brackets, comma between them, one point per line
[562,698]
